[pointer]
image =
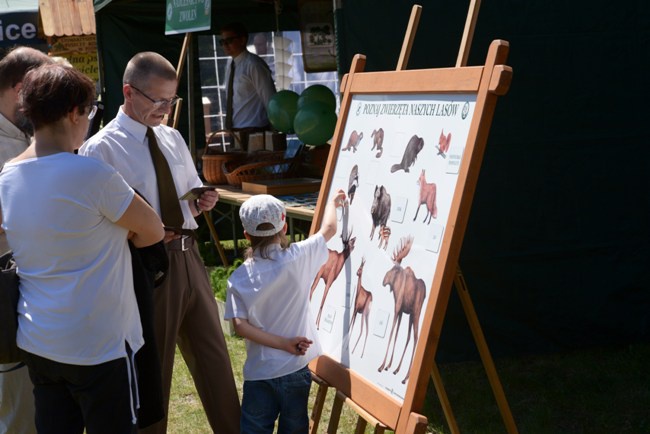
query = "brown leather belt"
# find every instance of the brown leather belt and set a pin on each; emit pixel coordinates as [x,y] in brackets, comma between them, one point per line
[183,243]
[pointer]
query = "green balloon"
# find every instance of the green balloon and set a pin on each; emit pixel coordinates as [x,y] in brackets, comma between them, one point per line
[314,123]
[282,109]
[317,93]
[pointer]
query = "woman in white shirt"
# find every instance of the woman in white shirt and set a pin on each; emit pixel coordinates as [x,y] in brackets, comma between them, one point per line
[67,219]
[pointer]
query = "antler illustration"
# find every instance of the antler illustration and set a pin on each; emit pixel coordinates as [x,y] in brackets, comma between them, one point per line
[403,249]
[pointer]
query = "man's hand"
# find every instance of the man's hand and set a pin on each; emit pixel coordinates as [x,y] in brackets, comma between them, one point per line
[207,200]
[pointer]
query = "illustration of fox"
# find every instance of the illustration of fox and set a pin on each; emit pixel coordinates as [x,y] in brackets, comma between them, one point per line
[428,198]
[443,144]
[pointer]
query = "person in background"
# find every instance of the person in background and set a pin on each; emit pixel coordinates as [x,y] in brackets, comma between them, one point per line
[185,310]
[78,322]
[261,44]
[250,87]
[16,398]
[268,303]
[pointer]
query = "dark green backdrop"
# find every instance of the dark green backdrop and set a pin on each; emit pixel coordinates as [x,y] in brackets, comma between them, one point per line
[557,251]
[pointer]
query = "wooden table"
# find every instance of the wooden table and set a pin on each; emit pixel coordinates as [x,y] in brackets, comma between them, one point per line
[234,197]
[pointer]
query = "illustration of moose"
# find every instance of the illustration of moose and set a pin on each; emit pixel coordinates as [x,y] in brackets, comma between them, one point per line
[353,141]
[379,210]
[428,198]
[378,141]
[362,303]
[409,293]
[332,268]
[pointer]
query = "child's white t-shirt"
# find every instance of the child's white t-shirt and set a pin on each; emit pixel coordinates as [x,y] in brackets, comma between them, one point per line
[273,295]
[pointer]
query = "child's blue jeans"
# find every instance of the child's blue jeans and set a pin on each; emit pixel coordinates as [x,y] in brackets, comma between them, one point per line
[285,396]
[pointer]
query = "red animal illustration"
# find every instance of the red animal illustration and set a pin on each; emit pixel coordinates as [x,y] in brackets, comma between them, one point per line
[353,141]
[428,198]
[443,144]
[332,268]
[409,293]
[378,141]
[362,303]
[384,235]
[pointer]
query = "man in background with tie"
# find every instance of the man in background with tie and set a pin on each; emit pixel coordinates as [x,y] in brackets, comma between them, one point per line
[249,82]
[154,159]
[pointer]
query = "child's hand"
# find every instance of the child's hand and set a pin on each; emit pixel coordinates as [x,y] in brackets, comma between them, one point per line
[339,198]
[298,345]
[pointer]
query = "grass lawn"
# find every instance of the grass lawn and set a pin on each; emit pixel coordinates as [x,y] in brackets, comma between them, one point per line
[595,391]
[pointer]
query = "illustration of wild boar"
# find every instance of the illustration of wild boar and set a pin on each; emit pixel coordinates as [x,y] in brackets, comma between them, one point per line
[411,152]
[380,209]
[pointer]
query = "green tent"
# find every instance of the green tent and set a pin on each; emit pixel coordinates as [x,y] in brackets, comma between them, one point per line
[557,250]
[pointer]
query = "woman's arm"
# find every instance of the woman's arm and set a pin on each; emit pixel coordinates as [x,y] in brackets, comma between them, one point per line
[297,345]
[143,222]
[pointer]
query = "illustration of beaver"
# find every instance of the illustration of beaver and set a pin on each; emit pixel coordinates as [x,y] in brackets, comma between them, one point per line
[411,152]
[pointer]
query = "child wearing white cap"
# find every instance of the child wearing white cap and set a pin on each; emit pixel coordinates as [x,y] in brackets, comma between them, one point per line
[268,302]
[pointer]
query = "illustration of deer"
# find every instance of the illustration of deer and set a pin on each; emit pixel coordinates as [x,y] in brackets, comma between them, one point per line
[428,198]
[409,293]
[362,303]
[332,268]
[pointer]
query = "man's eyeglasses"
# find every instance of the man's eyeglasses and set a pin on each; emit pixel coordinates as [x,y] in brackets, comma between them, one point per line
[93,111]
[158,103]
[227,41]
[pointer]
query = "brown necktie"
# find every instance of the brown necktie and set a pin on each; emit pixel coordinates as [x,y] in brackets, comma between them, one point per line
[170,208]
[231,79]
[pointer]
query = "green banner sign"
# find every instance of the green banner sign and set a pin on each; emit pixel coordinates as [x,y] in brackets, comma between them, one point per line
[185,16]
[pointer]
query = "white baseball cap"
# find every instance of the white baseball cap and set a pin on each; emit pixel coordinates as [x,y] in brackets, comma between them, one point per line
[262,208]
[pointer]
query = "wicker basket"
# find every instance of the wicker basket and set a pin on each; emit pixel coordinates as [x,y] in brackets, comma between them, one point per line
[259,167]
[213,165]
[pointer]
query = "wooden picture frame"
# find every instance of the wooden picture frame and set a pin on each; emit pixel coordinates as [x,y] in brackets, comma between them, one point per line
[412,107]
[317,35]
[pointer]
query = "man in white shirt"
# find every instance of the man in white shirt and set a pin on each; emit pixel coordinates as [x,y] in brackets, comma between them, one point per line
[185,310]
[16,398]
[251,85]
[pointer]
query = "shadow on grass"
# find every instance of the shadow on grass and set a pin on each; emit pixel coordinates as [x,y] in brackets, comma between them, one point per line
[593,391]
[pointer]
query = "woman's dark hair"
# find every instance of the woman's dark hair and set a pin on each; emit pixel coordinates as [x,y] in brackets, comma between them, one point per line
[50,92]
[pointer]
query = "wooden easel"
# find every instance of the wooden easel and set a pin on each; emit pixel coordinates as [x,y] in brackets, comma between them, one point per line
[418,423]
[174,118]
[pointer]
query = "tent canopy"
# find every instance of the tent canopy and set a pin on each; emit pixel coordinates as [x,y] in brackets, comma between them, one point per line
[557,247]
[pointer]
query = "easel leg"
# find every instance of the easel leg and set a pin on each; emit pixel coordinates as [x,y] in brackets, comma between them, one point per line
[317,409]
[444,400]
[215,237]
[337,406]
[483,350]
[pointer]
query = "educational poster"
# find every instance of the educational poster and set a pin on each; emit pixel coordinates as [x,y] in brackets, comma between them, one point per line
[398,162]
